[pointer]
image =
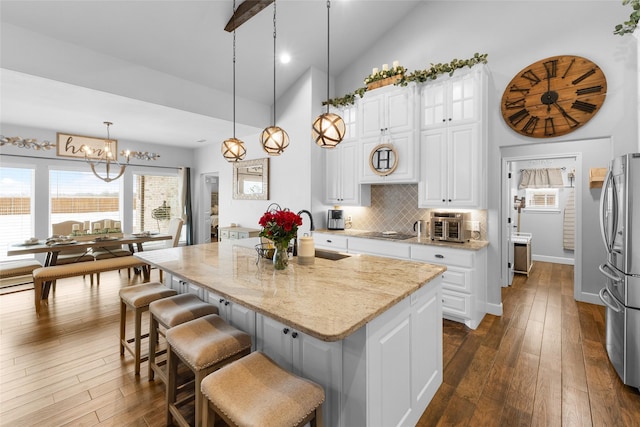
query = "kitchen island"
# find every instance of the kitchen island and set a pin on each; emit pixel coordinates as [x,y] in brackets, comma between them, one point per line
[367,328]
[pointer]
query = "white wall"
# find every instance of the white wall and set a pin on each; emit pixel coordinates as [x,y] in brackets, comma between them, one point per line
[514,35]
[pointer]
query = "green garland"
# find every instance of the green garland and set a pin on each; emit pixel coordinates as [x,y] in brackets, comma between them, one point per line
[418,76]
[630,25]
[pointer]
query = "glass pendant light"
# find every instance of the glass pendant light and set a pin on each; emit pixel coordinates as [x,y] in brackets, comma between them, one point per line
[274,139]
[328,128]
[233,149]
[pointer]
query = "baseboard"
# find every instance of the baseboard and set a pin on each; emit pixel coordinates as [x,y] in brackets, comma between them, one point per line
[495,309]
[590,298]
[553,259]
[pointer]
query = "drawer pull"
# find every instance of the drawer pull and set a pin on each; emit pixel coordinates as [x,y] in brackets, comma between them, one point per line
[294,335]
[329,241]
[221,300]
[439,256]
[285,331]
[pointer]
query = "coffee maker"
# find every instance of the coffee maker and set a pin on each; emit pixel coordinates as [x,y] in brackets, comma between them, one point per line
[335,219]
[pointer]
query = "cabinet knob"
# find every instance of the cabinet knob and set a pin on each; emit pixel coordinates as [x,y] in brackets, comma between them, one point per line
[449,200]
[329,241]
[226,303]
[449,118]
[285,331]
[221,300]
[444,120]
[440,256]
[443,200]
[294,334]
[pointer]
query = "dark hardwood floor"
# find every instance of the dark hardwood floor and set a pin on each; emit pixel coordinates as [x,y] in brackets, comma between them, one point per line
[542,363]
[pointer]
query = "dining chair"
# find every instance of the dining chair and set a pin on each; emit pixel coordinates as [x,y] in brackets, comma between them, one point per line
[109,251]
[65,228]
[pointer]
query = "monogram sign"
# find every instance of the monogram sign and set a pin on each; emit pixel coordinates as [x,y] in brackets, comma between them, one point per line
[72,146]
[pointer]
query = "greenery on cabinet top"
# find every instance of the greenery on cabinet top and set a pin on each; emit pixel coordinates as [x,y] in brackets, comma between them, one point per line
[629,26]
[417,76]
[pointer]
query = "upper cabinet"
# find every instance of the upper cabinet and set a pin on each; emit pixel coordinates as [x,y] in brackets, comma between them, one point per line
[387,127]
[453,141]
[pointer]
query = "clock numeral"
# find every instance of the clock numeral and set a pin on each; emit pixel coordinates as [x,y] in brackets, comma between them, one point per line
[549,127]
[570,120]
[568,68]
[584,106]
[551,67]
[523,91]
[531,76]
[586,90]
[530,126]
[510,105]
[584,76]
[516,118]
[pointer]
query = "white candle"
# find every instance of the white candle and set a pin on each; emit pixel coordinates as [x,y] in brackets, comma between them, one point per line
[97,226]
[396,64]
[385,67]
[86,225]
[117,225]
[75,227]
[107,223]
[306,247]
[375,70]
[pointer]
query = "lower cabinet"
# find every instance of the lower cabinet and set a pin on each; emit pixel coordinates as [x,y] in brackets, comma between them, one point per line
[330,241]
[464,284]
[236,315]
[308,357]
[379,247]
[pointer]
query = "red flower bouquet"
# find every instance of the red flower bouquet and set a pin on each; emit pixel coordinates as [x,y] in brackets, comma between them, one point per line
[280,226]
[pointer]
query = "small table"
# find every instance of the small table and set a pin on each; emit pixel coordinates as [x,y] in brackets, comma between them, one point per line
[233,233]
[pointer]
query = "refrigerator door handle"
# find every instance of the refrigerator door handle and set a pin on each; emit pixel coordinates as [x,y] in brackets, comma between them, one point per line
[604,202]
[606,301]
[603,269]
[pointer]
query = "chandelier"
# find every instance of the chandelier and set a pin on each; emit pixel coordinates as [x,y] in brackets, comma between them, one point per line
[328,129]
[233,149]
[274,139]
[106,156]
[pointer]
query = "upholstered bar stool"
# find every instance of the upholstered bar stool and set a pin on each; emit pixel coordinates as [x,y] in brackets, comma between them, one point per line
[203,345]
[255,391]
[167,313]
[137,298]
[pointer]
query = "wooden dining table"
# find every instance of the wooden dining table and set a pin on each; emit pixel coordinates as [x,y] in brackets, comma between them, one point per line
[134,242]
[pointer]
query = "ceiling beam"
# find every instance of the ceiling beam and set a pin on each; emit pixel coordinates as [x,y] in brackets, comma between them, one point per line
[245,11]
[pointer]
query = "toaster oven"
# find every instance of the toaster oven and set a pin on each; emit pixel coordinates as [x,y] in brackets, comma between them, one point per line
[447,226]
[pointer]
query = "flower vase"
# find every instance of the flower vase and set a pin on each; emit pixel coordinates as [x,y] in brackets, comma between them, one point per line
[280,256]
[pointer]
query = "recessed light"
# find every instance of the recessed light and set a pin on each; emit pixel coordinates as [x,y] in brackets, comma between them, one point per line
[201,141]
[285,58]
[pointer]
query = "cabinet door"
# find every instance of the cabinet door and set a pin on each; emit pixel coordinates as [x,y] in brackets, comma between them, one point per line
[463,99]
[406,170]
[242,318]
[432,188]
[433,105]
[463,165]
[399,110]
[371,110]
[332,172]
[349,174]
[274,339]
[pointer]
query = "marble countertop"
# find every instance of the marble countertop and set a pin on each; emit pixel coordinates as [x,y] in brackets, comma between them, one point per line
[328,300]
[472,245]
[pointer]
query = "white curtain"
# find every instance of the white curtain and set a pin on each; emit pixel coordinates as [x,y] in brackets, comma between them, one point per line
[182,193]
[541,178]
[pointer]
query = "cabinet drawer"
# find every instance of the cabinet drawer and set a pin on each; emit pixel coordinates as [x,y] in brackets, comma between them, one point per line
[379,247]
[330,241]
[456,304]
[457,280]
[440,255]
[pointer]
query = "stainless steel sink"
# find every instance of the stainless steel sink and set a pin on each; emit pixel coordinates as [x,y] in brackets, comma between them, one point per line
[331,255]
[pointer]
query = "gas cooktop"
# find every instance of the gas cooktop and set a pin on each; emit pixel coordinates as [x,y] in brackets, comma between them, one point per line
[386,235]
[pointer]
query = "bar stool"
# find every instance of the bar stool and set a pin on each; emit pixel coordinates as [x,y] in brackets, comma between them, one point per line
[137,298]
[203,345]
[170,312]
[255,391]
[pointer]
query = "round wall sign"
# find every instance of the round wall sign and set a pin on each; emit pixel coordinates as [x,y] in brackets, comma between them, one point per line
[383,159]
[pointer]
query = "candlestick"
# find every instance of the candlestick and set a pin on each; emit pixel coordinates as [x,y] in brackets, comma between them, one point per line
[375,70]
[116,225]
[385,67]
[96,226]
[75,227]
[86,226]
[107,224]
[395,64]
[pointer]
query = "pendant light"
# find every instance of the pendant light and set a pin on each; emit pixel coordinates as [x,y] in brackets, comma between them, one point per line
[274,139]
[233,149]
[328,128]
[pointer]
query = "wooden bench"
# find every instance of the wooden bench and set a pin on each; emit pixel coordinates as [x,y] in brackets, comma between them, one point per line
[18,268]
[43,275]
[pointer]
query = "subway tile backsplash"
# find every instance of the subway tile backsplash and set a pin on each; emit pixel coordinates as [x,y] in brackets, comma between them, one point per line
[395,207]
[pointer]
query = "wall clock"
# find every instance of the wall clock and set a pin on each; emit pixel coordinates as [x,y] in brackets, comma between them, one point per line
[553,96]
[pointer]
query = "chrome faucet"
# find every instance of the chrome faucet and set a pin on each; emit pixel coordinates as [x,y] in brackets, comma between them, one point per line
[311,228]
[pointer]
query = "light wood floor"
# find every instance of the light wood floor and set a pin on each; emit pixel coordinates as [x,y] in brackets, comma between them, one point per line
[542,363]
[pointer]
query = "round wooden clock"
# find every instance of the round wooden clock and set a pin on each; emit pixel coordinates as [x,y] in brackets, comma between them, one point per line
[554,96]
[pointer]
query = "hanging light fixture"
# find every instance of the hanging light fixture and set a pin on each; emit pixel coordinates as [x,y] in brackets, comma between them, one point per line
[328,128]
[106,156]
[274,139]
[233,149]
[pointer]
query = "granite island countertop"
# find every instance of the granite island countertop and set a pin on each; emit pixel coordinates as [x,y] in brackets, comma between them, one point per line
[328,300]
[472,245]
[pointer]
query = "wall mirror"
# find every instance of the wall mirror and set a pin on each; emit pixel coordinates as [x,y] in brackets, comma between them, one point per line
[251,179]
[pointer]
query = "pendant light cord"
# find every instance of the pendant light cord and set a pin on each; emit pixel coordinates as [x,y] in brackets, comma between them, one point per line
[234,69]
[328,50]
[274,62]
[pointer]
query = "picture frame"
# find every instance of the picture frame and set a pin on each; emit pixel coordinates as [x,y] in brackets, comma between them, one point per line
[70,145]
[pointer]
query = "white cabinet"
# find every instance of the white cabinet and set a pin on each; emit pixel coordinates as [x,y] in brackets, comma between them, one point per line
[379,247]
[451,168]
[452,100]
[236,315]
[184,287]
[330,241]
[464,284]
[306,356]
[234,233]
[406,150]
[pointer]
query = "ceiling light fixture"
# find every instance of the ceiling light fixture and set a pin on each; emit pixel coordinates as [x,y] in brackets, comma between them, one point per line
[233,149]
[274,139]
[328,129]
[106,155]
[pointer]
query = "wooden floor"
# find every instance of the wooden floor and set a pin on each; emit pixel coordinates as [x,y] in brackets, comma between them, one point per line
[542,363]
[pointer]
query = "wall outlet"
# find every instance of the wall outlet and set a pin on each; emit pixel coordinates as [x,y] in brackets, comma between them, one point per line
[349,219]
[473,225]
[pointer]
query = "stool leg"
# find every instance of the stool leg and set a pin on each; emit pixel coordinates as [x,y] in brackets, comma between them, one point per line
[123,320]
[172,372]
[199,396]
[208,414]
[317,420]
[153,338]
[138,336]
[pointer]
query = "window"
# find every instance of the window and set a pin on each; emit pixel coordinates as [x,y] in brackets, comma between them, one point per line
[80,196]
[155,202]
[542,199]
[16,209]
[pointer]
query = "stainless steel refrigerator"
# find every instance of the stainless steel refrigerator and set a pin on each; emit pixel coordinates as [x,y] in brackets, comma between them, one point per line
[620,227]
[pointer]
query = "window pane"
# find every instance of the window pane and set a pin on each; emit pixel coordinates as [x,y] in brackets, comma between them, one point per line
[80,196]
[155,202]
[542,198]
[16,209]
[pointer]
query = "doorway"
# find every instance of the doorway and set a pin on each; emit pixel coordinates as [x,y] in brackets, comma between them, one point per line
[210,207]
